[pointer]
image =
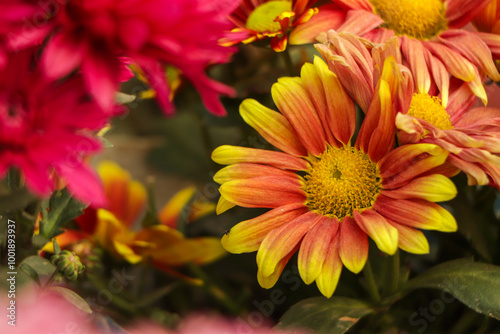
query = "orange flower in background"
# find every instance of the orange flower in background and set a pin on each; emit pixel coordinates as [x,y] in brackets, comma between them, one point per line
[431,40]
[326,194]
[260,19]
[488,19]
[161,244]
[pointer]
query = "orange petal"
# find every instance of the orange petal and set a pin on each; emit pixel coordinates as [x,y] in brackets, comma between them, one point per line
[227,154]
[434,188]
[247,236]
[335,108]
[353,245]
[406,162]
[330,273]
[440,75]
[414,53]
[280,242]
[264,192]
[169,214]
[248,170]
[359,22]
[457,65]
[314,248]
[328,17]
[356,4]
[377,227]
[416,213]
[293,101]
[273,126]
[270,280]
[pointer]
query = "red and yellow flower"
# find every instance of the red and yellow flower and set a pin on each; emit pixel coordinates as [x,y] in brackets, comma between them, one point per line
[431,40]
[161,244]
[260,19]
[326,194]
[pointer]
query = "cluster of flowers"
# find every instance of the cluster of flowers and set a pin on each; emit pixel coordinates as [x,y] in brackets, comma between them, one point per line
[415,74]
[62,62]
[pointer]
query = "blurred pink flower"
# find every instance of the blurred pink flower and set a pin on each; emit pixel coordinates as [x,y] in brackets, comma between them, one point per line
[93,35]
[46,129]
[46,313]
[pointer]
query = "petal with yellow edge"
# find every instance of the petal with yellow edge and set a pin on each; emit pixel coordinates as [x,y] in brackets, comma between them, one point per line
[248,235]
[411,240]
[434,188]
[395,167]
[270,280]
[293,101]
[227,155]
[247,171]
[264,192]
[413,50]
[273,126]
[223,205]
[330,272]
[280,242]
[377,227]
[314,248]
[334,106]
[353,245]
[416,213]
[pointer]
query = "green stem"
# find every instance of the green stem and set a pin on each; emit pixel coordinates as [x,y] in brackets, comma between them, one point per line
[214,290]
[393,281]
[288,62]
[371,285]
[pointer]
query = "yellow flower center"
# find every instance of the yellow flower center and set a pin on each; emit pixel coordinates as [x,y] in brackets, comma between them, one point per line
[340,181]
[420,19]
[262,17]
[431,110]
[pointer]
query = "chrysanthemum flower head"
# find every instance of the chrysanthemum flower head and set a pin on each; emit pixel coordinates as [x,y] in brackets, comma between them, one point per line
[431,41]
[47,129]
[328,193]
[283,21]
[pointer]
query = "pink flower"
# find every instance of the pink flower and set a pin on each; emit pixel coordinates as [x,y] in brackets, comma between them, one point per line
[46,313]
[93,35]
[46,129]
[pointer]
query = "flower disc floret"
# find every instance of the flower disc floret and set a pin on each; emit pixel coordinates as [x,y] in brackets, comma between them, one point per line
[431,110]
[416,18]
[340,181]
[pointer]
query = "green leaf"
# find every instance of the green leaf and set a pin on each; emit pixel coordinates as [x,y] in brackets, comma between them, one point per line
[16,200]
[473,283]
[73,298]
[36,266]
[329,316]
[60,209]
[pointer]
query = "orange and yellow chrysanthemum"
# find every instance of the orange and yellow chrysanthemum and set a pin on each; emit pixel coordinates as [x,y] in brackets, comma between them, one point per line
[162,244]
[260,19]
[327,195]
[472,137]
[431,40]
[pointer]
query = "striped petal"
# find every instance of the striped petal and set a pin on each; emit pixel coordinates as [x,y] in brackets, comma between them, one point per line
[440,75]
[247,171]
[413,50]
[353,245]
[335,108]
[227,155]
[293,101]
[416,213]
[330,273]
[270,280]
[359,22]
[273,126]
[411,240]
[247,236]
[406,162]
[279,243]
[434,188]
[314,248]
[377,227]
[263,192]
[457,65]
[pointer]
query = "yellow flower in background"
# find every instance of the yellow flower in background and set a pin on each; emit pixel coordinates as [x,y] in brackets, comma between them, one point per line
[162,244]
[327,195]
